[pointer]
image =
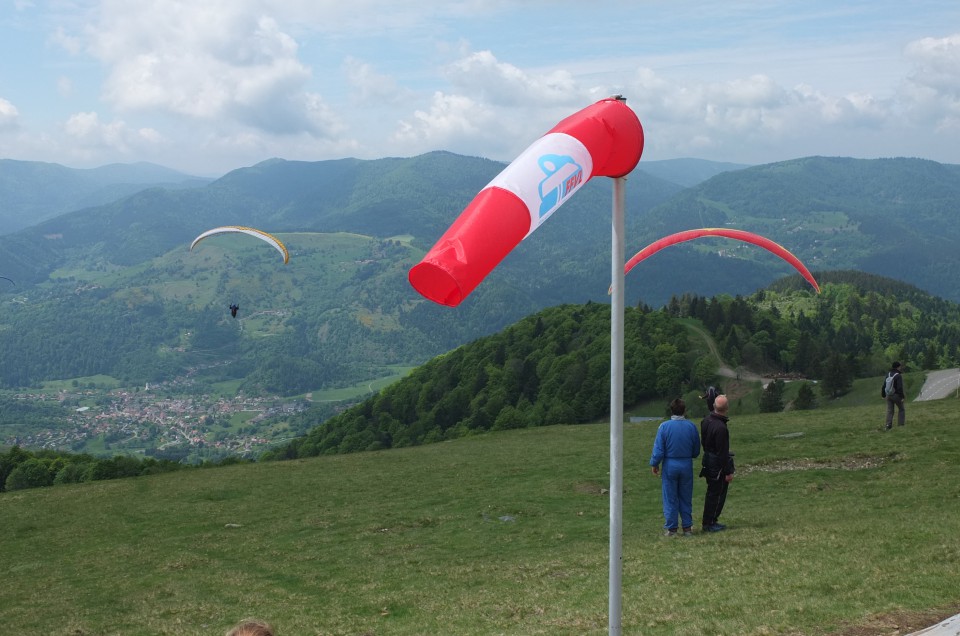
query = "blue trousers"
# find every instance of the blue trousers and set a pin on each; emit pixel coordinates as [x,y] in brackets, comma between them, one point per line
[677,484]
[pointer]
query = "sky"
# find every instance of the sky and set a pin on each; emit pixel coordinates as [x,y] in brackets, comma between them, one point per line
[208,86]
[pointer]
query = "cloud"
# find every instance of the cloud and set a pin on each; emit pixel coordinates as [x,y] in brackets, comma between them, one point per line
[481,75]
[9,115]
[932,91]
[214,61]
[449,120]
[370,86]
[756,111]
[94,136]
[494,109]
[936,63]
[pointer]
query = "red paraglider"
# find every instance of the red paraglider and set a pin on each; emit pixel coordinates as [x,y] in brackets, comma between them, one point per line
[740,235]
[604,139]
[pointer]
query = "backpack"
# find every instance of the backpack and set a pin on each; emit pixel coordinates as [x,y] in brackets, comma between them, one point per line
[888,385]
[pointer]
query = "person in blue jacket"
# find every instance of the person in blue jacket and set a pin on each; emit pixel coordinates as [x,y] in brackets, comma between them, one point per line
[676,446]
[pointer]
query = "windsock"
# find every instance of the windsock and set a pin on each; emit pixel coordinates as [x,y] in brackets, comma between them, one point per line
[604,139]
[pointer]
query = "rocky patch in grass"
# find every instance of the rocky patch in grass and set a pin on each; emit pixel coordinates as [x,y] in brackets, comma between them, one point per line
[852,462]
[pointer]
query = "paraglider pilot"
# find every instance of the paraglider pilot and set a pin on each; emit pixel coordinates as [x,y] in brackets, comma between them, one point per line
[233,310]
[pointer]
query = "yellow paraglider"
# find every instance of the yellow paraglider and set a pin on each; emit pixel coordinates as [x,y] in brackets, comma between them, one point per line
[239,229]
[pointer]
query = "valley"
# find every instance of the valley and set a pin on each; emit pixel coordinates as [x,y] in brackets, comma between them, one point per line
[164,420]
[183,419]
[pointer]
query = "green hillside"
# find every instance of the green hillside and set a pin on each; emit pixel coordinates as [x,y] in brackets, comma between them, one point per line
[554,366]
[834,528]
[356,374]
[893,217]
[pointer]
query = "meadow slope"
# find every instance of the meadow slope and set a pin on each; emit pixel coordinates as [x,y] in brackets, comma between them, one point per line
[834,527]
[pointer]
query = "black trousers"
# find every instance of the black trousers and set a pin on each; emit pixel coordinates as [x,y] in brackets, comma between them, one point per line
[713,502]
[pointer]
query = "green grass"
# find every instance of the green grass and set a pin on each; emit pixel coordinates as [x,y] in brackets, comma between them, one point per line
[366,387]
[827,530]
[101,381]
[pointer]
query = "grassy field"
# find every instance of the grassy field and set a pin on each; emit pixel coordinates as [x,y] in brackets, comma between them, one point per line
[834,528]
[360,389]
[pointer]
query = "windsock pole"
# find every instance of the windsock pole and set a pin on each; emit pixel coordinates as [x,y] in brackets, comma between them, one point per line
[604,139]
[616,407]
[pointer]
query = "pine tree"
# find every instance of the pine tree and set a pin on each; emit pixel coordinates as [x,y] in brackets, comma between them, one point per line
[771,400]
[805,399]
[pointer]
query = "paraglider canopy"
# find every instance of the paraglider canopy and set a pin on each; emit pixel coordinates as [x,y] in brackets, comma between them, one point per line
[235,229]
[9,279]
[740,235]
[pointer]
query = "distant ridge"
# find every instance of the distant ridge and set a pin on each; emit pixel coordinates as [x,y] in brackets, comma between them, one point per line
[34,191]
[687,172]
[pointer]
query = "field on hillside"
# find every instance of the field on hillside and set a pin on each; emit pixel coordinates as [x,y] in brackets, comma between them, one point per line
[834,528]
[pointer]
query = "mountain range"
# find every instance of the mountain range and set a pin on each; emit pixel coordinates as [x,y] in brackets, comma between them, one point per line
[34,191]
[119,277]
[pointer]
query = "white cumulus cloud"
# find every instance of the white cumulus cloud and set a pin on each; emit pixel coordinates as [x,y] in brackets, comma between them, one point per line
[481,75]
[217,61]
[90,133]
[8,115]
[932,93]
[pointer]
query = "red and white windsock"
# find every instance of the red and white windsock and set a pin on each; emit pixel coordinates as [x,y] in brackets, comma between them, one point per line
[604,139]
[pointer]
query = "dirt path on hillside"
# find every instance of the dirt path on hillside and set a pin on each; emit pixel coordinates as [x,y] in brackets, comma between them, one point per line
[937,385]
[725,370]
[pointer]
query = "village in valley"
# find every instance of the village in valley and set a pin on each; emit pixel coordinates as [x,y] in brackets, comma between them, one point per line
[157,420]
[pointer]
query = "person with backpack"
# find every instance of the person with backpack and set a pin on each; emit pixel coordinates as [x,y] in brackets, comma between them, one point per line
[892,391]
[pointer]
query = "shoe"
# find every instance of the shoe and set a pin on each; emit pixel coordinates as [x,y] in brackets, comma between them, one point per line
[669,533]
[688,532]
[717,527]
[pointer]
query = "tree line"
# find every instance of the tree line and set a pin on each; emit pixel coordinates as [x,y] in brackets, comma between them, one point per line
[21,468]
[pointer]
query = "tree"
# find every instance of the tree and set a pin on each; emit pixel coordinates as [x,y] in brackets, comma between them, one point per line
[805,399]
[509,418]
[9,461]
[704,371]
[32,473]
[669,379]
[771,400]
[837,376]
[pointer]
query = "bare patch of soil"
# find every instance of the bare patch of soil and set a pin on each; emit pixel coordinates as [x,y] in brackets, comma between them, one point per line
[589,488]
[854,462]
[898,623]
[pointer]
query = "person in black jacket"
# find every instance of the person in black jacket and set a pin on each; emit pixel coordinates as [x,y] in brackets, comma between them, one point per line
[895,396]
[718,467]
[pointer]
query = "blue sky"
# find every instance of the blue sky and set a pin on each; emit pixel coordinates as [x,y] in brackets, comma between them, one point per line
[206,86]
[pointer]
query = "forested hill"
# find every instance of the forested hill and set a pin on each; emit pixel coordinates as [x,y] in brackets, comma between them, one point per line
[554,367]
[893,217]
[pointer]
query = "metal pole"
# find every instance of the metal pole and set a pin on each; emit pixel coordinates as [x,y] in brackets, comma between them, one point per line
[616,408]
